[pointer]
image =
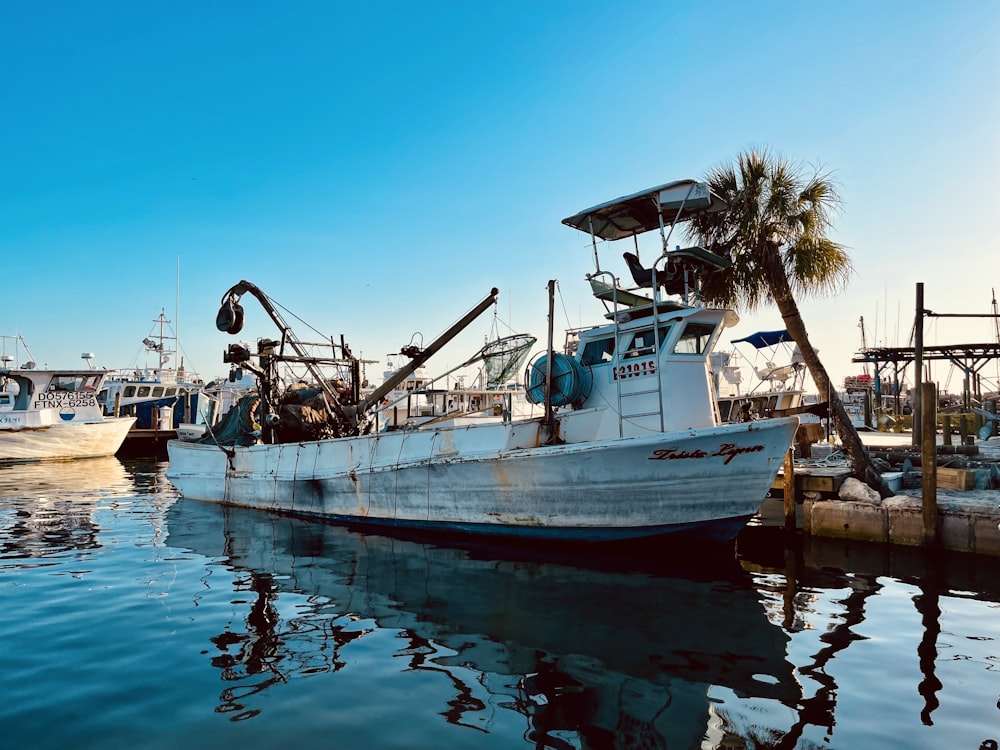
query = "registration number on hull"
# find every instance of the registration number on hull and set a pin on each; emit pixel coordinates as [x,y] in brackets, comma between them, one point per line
[634,370]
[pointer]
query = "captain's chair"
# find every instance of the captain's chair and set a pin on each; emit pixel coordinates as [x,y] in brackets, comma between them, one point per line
[643,277]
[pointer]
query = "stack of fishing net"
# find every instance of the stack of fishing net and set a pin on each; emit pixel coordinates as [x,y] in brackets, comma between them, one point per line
[503,358]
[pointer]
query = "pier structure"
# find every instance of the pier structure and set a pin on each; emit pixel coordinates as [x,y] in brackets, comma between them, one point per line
[952,507]
[969,358]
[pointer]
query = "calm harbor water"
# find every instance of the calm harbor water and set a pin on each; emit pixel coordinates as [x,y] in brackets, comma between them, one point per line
[132,618]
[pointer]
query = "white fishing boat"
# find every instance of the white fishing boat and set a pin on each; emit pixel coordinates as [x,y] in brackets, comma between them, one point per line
[629,445]
[54,414]
[159,396]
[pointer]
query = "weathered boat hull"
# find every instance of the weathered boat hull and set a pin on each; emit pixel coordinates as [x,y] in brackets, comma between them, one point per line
[704,484]
[64,440]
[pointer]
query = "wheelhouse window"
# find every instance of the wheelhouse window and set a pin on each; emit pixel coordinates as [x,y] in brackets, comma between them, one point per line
[695,338]
[598,352]
[143,391]
[73,383]
[158,391]
[643,343]
[129,391]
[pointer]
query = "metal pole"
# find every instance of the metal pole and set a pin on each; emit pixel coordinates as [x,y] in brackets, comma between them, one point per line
[918,350]
[549,416]
[593,243]
[404,372]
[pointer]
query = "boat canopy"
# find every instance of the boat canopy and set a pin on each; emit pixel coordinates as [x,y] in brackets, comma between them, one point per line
[643,211]
[765,338]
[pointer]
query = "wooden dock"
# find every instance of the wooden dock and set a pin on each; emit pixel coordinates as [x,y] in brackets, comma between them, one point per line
[825,481]
[146,443]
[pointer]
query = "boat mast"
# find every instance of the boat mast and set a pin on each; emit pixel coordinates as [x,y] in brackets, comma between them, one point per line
[177,312]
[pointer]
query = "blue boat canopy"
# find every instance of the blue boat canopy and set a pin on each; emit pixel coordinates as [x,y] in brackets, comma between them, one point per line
[765,338]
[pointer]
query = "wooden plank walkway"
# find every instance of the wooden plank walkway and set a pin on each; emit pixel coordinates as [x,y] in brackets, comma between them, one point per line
[825,480]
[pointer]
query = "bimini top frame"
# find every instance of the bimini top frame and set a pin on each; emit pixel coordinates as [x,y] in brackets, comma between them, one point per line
[655,208]
[645,211]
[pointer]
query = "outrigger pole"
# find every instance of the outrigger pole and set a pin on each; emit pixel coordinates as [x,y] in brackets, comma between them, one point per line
[422,356]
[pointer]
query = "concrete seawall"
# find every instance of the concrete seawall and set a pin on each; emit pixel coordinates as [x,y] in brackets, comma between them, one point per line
[828,503]
[965,524]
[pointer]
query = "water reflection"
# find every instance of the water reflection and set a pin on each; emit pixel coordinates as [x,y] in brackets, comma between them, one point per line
[82,479]
[810,569]
[619,652]
[486,647]
[48,507]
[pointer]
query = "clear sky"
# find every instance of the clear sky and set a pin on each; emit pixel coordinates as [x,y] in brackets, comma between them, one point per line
[377,167]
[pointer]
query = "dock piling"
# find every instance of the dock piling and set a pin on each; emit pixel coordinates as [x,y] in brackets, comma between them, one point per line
[789,490]
[928,461]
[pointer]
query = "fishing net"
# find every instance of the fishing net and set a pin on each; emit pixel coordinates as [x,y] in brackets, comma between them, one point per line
[237,425]
[503,358]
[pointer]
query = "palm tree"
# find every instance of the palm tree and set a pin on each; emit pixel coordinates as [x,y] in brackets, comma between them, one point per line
[774,234]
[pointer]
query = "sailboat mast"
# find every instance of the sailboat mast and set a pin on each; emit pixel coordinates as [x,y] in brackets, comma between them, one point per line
[177,311]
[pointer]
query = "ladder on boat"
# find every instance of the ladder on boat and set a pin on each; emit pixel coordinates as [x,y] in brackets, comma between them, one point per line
[613,294]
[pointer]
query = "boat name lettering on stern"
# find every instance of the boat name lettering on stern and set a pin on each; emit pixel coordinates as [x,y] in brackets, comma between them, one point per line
[731,451]
[728,450]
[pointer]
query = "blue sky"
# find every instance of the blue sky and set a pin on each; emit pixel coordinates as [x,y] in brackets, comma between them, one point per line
[377,167]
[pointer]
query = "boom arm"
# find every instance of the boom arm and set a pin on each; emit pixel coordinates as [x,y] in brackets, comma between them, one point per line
[230,320]
[429,352]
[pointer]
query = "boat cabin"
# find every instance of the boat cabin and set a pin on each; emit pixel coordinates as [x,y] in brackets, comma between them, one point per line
[652,360]
[32,398]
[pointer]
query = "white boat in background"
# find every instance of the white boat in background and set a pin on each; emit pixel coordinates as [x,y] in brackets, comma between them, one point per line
[159,397]
[54,414]
[493,392]
[870,404]
[629,443]
[777,382]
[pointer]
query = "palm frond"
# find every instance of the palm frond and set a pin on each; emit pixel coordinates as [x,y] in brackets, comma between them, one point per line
[774,231]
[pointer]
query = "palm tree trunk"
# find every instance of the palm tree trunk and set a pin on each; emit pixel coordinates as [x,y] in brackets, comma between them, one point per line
[862,466]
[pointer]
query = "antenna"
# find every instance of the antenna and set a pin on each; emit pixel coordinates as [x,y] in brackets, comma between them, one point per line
[177,307]
[19,341]
[864,342]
